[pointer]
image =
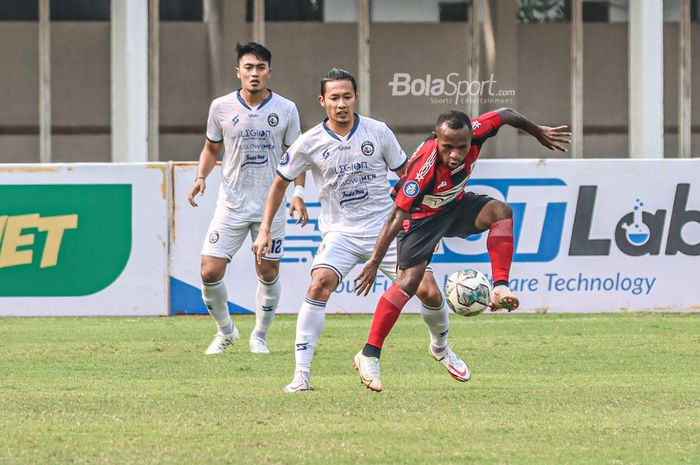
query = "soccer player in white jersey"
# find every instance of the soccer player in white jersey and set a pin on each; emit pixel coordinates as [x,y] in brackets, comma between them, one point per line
[253,124]
[349,157]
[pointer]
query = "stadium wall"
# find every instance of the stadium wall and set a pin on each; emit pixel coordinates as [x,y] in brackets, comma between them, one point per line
[535,67]
[116,239]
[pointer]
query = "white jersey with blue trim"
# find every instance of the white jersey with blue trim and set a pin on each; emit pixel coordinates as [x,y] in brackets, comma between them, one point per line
[350,173]
[253,141]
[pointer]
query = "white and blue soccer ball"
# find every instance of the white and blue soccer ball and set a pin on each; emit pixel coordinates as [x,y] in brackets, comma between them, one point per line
[468,292]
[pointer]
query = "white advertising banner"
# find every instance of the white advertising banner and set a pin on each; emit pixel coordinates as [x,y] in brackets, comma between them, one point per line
[84,239]
[188,232]
[590,236]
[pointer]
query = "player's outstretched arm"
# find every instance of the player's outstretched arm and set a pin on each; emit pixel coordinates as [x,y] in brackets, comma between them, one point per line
[207,161]
[550,137]
[297,204]
[263,242]
[364,280]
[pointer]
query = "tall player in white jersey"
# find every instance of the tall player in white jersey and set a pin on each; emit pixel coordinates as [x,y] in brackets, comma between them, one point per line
[349,157]
[254,125]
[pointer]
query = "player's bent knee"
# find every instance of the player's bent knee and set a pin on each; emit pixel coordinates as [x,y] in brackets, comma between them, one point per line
[212,272]
[268,270]
[430,295]
[322,285]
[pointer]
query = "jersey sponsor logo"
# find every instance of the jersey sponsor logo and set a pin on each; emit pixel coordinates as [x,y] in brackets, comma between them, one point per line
[476,124]
[425,169]
[253,115]
[254,133]
[214,237]
[353,195]
[254,159]
[285,159]
[411,189]
[234,120]
[438,199]
[367,148]
[349,168]
[442,184]
[344,147]
[273,119]
[326,154]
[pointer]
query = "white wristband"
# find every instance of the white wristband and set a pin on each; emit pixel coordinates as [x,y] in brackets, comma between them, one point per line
[299,192]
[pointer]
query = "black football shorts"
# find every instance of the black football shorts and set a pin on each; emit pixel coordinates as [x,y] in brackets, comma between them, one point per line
[416,242]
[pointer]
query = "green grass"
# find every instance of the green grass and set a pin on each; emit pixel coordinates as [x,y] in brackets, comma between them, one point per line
[547,389]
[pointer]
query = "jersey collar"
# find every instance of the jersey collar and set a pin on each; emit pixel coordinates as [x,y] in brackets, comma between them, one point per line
[262,104]
[336,136]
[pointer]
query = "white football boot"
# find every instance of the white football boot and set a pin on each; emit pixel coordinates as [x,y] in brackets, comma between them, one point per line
[258,345]
[456,367]
[368,368]
[299,383]
[221,342]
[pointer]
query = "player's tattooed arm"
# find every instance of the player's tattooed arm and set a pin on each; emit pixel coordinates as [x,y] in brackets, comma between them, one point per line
[551,137]
[207,162]
[364,280]
[297,203]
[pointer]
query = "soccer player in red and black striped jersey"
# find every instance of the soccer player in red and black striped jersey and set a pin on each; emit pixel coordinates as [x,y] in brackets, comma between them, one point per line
[431,203]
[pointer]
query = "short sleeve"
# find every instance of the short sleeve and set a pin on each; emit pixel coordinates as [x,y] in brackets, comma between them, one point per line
[293,127]
[486,125]
[294,161]
[409,191]
[393,154]
[213,125]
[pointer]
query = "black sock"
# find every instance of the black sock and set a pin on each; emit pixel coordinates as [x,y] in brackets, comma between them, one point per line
[371,351]
[500,283]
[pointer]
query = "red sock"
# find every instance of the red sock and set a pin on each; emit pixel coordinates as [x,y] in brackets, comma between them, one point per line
[500,247]
[388,310]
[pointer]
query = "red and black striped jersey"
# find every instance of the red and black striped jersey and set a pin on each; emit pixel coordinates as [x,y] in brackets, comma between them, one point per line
[428,185]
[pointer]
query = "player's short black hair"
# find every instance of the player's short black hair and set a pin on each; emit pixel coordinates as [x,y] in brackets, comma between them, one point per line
[454,120]
[337,74]
[254,48]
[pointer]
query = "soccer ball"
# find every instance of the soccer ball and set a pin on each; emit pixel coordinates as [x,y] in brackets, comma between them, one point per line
[468,292]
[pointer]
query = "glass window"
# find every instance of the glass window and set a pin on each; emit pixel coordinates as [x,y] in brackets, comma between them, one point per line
[181,10]
[289,10]
[454,12]
[79,10]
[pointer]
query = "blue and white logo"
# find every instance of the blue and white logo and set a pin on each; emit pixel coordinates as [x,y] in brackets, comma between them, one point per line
[285,159]
[234,120]
[273,119]
[367,148]
[638,232]
[411,189]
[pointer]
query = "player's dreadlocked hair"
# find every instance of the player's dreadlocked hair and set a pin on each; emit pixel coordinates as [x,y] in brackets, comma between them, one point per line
[454,120]
[337,74]
[254,48]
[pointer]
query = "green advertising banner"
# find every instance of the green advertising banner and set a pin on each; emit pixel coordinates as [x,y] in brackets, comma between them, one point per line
[63,240]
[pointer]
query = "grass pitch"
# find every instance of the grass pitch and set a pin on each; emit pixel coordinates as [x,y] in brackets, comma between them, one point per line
[547,389]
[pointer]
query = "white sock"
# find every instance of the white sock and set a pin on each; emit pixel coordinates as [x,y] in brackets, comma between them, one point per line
[266,298]
[312,316]
[215,298]
[438,321]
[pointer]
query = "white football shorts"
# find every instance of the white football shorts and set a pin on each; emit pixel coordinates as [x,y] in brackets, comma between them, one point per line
[226,235]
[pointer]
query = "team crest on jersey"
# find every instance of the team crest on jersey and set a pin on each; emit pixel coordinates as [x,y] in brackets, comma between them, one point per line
[411,189]
[367,148]
[273,119]
[214,237]
[234,120]
[285,159]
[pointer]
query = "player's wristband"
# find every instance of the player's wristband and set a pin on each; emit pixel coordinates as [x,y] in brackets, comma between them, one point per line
[299,192]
